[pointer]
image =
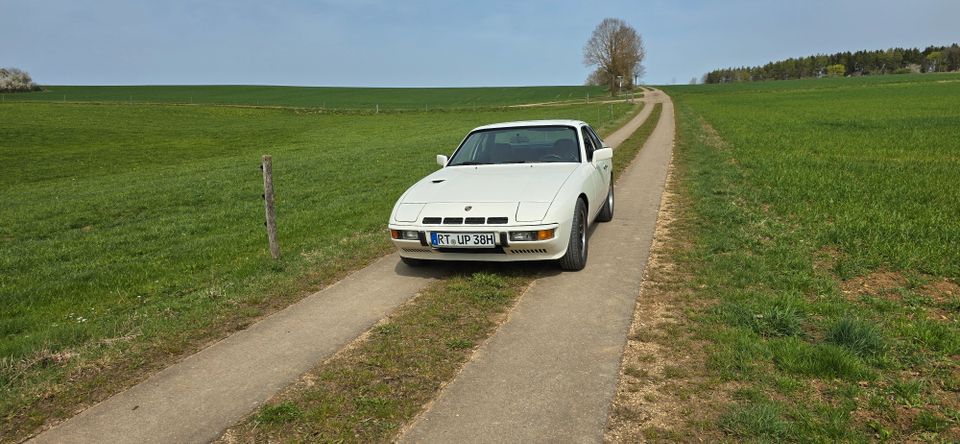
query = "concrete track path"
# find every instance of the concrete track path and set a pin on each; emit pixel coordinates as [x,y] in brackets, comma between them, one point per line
[550,371]
[197,398]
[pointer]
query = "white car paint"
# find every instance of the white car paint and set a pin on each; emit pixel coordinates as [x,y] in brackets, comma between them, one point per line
[531,196]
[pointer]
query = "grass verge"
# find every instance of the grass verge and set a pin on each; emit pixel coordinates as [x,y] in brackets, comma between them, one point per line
[811,298]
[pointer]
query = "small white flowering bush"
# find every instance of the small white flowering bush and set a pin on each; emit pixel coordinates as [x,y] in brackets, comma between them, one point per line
[16,80]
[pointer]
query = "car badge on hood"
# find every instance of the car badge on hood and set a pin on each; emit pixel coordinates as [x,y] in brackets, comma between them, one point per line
[467,208]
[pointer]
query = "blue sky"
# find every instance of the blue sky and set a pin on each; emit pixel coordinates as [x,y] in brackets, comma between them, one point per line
[433,43]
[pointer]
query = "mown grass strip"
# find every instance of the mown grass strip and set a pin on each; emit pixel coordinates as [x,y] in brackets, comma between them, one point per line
[629,148]
[367,392]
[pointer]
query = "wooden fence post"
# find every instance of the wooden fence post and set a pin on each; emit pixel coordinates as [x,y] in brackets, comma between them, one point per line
[267,167]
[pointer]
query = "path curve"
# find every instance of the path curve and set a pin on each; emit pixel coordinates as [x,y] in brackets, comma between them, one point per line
[550,372]
[197,398]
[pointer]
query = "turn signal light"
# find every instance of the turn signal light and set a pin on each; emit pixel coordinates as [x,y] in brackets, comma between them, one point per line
[545,234]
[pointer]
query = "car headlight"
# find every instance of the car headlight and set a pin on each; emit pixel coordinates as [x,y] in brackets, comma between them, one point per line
[405,234]
[532,235]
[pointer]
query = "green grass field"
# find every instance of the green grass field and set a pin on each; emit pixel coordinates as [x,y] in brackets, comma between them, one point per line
[314,97]
[133,233]
[824,254]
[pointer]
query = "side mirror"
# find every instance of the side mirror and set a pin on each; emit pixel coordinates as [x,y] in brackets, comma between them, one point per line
[441,160]
[603,154]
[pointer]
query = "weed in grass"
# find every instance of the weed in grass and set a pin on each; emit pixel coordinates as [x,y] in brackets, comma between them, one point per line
[636,372]
[930,422]
[674,372]
[818,360]
[908,392]
[756,420]
[737,354]
[781,316]
[459,343]
[860,337]
[938,338]
[279,413]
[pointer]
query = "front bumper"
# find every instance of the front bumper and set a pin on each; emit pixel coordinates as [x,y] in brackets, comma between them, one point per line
[505,250]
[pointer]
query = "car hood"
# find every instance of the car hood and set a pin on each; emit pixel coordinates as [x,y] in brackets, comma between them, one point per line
[537,182]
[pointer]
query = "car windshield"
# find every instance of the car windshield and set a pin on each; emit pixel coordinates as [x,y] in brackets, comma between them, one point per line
[529,144]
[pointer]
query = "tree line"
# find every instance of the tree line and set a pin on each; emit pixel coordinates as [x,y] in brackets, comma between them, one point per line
[888,61]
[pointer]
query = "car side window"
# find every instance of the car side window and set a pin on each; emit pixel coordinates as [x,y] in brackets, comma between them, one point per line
[588,144]
[596,139]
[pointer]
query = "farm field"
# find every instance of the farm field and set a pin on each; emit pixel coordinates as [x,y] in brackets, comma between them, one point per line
[314,97]
[134,233]
[819,268]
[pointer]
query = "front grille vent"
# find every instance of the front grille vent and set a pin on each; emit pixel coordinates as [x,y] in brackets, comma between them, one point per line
[416,250]
[452,220]
[431,220]
[473,221]
[529,251]
[496,220]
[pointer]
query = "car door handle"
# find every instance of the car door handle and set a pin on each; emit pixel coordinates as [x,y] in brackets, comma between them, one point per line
[605,166]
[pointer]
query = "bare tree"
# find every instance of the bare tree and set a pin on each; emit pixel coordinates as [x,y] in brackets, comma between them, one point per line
[616,49]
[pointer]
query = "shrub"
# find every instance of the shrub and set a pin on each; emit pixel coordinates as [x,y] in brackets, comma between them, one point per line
[15,80]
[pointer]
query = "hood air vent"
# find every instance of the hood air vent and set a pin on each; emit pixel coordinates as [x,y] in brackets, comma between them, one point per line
[467,221]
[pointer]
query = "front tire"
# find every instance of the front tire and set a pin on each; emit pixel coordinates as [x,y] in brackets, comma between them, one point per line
[606,213]
[576,256]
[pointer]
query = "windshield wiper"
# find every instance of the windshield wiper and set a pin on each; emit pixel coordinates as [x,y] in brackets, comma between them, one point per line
[516,161]
[471,162]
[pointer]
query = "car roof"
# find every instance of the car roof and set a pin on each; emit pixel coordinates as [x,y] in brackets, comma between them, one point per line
[519,123]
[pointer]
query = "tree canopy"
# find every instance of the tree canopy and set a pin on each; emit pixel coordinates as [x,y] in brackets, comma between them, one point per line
[616,50]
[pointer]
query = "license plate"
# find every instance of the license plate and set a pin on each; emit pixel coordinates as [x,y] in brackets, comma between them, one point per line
[463,240]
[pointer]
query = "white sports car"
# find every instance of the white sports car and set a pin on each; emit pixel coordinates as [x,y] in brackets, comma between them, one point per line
[516,191]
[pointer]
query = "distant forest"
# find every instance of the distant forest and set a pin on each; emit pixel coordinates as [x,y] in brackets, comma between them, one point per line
[889,61]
